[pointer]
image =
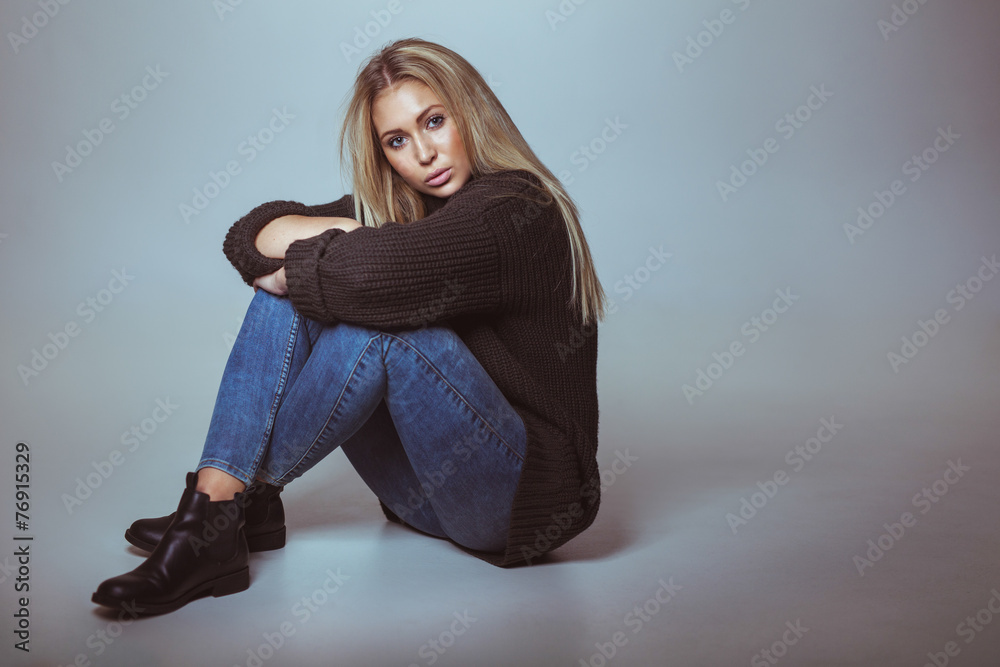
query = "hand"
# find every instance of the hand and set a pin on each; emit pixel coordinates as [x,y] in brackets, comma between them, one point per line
[273,283]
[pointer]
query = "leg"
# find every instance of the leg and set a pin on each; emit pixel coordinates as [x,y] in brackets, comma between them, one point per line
[378,456]
[219,485]
[202,549]
[268,354]
[266,358]
[465,442]
[452,424]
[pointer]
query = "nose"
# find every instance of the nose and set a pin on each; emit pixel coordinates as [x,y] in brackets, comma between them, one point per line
[425,150]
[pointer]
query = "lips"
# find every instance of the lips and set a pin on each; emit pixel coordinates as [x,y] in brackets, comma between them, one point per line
[438,177]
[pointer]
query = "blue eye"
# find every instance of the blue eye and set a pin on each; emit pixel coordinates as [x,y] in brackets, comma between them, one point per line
[430,123]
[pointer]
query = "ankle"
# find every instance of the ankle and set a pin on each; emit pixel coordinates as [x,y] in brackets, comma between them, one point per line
[218,485]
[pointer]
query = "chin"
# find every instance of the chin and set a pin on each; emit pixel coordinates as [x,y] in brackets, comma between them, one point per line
[445,192]
[454,185]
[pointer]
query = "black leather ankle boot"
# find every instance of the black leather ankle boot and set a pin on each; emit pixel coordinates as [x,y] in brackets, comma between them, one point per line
[265,521]
[202,552]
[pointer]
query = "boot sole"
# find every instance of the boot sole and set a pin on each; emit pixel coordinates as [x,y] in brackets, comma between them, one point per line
[262,542]
[227,585]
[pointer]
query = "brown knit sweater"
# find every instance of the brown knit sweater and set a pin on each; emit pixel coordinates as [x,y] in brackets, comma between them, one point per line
[497,270]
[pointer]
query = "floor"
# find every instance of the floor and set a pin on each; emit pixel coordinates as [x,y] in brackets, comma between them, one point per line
[779,518]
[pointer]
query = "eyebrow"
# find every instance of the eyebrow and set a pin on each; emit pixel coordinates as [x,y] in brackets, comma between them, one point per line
[420,119]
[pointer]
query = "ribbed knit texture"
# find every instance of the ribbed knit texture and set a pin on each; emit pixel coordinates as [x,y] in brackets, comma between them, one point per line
[497,271]
[242,237]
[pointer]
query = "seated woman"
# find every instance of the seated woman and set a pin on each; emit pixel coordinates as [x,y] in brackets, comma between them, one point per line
[440,325]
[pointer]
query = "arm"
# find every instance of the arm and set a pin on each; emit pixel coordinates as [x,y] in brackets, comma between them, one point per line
[450,263]
[240,243]
[275,237]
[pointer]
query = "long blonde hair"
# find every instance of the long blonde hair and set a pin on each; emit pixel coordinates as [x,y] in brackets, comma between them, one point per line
[490,136]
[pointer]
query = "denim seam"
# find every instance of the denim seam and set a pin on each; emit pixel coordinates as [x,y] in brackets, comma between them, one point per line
[279,390]
[458,393]
[333,410]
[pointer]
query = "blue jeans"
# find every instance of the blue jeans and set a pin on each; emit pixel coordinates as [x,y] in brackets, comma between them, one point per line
[415,413]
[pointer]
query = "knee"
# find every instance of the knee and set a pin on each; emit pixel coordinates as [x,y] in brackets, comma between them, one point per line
[261,299]
[263,296]
[271,303]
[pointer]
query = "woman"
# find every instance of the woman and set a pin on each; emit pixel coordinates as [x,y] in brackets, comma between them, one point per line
[448,344]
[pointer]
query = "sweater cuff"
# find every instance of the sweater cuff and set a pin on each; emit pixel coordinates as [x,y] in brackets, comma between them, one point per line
[302,261]
[240,245]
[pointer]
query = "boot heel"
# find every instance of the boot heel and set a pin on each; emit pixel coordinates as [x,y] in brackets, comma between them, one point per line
[233,583]
[267,541]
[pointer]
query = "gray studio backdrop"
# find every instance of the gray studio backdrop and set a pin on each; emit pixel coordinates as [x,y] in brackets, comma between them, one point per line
[783,199]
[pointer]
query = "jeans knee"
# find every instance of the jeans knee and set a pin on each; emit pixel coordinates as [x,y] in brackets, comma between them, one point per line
[263,298]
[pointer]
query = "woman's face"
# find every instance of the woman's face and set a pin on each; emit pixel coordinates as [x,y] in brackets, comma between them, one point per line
[420,139]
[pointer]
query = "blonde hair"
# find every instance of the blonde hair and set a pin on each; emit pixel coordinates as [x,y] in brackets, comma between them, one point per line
[490,136]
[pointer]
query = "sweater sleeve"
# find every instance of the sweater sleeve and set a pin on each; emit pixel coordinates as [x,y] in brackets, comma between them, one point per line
[240,245]
[408,274]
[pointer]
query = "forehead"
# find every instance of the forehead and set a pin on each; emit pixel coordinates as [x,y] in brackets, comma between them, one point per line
[401,103]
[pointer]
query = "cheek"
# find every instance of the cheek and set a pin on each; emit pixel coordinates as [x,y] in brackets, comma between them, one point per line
[404,166]
[457,146]
[395,162]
